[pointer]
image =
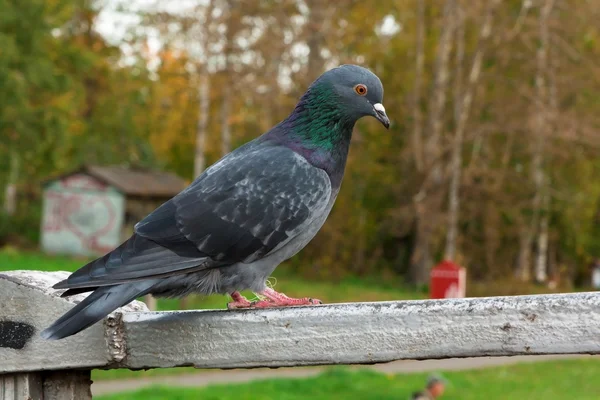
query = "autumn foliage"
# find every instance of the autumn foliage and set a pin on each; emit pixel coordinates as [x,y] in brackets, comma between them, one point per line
[492,159]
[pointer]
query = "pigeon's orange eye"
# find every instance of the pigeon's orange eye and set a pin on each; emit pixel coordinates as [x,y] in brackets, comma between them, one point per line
[360,89]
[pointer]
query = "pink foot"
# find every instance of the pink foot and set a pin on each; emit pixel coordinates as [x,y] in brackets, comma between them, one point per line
[239,301]
[276,299]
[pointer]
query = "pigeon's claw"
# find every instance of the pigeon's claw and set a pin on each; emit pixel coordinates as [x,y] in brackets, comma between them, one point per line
[276,299]
[239,301]
[271,299]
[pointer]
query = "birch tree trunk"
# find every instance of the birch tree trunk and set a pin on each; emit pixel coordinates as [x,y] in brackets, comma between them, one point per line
[541,125]
[438,95]
[541,262]
[201,127]
[419,66]
[10,194]
[456,162]
[423,202]
[459,59]
[225,126]
[462,110]
[203,93]
[315,38]
[551,108]
[226,102]
[203,111]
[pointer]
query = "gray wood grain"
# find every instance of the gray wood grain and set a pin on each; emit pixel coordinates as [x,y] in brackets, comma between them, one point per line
[21,386]
[30,304]
[351,333]
[50,385]
[366,333]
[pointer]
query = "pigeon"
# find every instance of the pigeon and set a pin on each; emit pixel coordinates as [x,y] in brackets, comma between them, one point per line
[234,224]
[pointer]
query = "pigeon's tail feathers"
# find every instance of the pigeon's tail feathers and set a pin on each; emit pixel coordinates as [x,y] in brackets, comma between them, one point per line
[137,259]
[73,292]
[95,307]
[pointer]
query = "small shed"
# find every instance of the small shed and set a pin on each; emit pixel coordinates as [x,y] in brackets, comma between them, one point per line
[92,210]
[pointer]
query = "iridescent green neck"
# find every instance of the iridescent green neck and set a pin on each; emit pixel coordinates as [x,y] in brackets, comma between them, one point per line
[319,130]
[318,121]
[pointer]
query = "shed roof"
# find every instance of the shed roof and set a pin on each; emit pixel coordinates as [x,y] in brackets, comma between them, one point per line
[135,181]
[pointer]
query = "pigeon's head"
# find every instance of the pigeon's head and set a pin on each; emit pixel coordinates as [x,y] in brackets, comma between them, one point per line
[356,90]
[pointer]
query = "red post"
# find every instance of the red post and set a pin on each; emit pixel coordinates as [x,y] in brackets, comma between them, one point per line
[448,280]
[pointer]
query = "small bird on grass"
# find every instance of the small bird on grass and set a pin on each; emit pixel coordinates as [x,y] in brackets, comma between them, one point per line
[253,209]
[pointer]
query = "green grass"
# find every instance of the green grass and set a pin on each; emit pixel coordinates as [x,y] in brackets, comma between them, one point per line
[568,379]
[330,292]
[13,259]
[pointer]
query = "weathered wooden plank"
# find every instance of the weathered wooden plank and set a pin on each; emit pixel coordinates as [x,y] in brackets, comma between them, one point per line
[21,386]
[28,305]
[51,385]
[67,385]
[328,334]
[365,332]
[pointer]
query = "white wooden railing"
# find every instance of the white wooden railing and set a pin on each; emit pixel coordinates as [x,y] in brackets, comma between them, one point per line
[350,333]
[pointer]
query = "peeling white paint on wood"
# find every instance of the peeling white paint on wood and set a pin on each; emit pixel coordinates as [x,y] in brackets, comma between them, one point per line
[366,332]
[28,300]
[351,333]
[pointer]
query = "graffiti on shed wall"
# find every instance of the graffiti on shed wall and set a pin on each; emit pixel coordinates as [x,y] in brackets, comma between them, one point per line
[81,216]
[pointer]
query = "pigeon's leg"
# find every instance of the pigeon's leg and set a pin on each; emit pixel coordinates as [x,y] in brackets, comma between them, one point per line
[276,299]
[239,301]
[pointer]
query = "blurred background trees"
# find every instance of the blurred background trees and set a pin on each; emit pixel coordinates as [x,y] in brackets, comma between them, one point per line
[492,159]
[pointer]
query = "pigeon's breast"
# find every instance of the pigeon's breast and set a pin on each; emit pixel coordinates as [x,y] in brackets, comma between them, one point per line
[300,241]
[253,276]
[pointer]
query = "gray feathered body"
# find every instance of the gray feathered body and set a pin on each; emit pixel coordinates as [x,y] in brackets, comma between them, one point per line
[229,230]
[252,275]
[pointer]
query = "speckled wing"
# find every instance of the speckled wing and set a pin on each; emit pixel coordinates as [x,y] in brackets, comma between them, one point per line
[244,207]
[249,204]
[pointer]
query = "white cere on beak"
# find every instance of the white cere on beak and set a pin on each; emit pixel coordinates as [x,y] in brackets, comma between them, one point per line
[379,107]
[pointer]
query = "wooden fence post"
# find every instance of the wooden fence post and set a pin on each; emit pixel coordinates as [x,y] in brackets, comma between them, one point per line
[51,385]
[32,368]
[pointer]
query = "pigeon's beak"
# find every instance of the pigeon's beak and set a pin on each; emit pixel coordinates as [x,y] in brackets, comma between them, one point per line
[381,115]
